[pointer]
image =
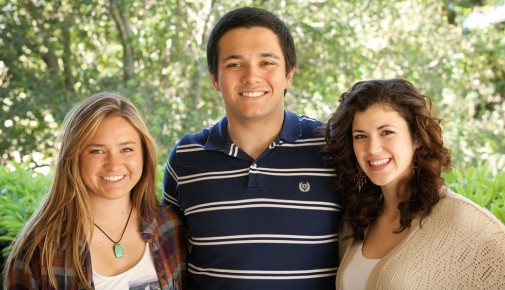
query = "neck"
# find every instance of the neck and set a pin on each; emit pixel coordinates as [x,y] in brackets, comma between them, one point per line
[391,202]
[107,210]
[254,137]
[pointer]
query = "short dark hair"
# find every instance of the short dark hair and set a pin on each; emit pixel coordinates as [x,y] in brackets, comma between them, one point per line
[248,17]
[431,158]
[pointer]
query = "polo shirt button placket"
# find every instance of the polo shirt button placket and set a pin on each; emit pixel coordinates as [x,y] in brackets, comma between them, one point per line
[252,183]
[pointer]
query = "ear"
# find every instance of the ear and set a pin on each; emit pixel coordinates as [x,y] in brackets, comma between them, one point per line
[289,78]
[416,144]
[214,81]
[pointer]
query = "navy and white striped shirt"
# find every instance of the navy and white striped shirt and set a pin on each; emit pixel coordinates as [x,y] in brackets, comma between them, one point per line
[269,223]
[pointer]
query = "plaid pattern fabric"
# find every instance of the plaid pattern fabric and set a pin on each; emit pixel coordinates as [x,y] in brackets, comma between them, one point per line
[167,243]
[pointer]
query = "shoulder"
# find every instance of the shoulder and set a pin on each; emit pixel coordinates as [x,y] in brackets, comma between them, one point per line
[166,215]
[311,126]
[482,236]
[195,138]
[166,228]
[212,138]
[304,127]
[308,121]
[170,232]
[24,276]
[462,213]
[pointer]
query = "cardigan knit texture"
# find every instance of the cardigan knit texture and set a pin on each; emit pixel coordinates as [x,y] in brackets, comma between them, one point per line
[460,245]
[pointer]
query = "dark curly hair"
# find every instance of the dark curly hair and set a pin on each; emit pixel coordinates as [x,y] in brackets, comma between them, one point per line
[421,188]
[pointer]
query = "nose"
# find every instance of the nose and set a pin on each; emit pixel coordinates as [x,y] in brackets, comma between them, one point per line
[250,75]
[113,161]
[374,145]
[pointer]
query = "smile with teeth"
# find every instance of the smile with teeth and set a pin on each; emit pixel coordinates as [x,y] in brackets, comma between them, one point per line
[113,178]
[252,94]
[379,162]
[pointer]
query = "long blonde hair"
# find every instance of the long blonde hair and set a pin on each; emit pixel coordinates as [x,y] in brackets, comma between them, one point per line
[60,221]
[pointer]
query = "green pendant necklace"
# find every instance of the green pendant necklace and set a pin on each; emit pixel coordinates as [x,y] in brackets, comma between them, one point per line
[118,248]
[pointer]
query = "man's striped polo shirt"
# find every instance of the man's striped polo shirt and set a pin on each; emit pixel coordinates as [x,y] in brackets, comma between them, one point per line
[269,223]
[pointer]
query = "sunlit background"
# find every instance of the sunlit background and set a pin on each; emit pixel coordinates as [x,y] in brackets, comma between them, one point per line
[54,53]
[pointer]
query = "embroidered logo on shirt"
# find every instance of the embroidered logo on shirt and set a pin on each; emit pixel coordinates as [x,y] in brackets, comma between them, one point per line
[304,186]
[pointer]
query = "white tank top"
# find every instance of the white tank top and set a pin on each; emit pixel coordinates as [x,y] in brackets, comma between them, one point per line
[141,276]
[357,273]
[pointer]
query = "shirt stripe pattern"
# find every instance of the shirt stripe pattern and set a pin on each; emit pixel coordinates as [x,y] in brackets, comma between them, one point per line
[269,223]
[264,275]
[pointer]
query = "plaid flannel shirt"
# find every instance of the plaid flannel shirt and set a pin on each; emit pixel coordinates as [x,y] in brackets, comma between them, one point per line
[167,243]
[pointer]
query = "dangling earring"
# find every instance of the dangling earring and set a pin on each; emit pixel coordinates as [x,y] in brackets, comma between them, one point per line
[359,177]
[415,168]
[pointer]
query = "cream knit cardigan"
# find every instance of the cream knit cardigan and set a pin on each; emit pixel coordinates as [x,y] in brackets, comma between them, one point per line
[458,246]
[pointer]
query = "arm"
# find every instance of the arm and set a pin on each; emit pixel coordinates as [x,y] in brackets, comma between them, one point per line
[170,186]
[25,278]
[490,273]
[168,246]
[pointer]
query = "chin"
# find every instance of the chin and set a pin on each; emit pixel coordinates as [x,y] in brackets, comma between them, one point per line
[380,182]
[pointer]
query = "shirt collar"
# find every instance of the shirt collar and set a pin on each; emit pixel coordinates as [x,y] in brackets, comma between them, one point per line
[219,140]
[218,136]
[149,225]
[292,128]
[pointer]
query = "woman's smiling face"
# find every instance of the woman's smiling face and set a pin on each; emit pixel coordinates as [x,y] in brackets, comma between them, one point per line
[383,145]
[112,161]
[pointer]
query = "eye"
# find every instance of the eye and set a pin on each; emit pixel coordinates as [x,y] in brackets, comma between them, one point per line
[96,151]
[268,63]
[387,132]
[127,150]
[359,136]
[232,65]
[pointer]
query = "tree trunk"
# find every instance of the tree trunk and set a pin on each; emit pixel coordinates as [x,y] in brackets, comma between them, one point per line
[67,55]
[121,16]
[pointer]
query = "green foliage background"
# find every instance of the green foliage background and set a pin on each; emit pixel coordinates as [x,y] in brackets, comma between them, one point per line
[21,191]
[55,53]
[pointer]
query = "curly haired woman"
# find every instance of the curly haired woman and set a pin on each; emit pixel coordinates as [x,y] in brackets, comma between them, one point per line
[404,228]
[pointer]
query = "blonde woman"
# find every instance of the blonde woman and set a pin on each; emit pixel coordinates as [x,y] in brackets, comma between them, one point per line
[100,225]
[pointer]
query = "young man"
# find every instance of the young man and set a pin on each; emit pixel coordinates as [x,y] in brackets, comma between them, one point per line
[253,190]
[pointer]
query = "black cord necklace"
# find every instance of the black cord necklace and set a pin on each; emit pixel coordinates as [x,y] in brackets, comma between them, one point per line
[118,248]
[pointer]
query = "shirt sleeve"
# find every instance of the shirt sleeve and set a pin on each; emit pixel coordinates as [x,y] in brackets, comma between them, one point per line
[20,278]
[172,245]
[490,269]
[169,185]
[170,196]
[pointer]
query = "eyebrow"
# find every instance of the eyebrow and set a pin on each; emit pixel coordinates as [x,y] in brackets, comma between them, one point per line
[264,54]
[103,145]
[378,128]
[270,54]
[387,125]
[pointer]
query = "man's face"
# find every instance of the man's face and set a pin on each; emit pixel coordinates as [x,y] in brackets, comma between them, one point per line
[251,74]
